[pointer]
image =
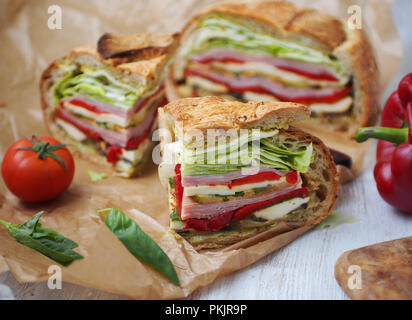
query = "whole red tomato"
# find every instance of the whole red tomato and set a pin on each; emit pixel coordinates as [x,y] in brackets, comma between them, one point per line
[37,170]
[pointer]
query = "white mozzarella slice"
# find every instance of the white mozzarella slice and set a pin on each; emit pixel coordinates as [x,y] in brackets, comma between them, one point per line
[101,117]
[253,96]
[135,155]
[279,210]
[165,170]
[206,84]
[113,118]
[225,190]
[270,70]
[340,106]
[71,130]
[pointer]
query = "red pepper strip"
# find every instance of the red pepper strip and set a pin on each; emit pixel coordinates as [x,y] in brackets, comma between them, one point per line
[83,104]
[247,210]
[133,143]
[177,182]
[262,176]
[213,224]
[337,95]
[291,178]
[89,133]
[322,76]
[113,153]
[393,169]
[177,168]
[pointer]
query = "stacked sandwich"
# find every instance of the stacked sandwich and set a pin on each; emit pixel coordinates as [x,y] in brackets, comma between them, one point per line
[103,100]
[273,51]
[236,169]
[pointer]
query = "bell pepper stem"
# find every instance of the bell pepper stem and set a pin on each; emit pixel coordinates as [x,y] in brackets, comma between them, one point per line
[382,133]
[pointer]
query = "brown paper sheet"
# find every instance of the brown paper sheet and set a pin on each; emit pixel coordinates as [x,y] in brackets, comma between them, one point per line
[3,265]
[27,47]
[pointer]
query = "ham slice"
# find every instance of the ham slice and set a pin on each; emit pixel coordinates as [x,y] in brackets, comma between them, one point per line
[98,106]
[218,54]
[226,178]
[266,85]
[192,209]
[111,137]
[101,107]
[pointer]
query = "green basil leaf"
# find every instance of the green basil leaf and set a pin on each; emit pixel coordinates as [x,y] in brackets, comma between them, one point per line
[44,240]
[139,243]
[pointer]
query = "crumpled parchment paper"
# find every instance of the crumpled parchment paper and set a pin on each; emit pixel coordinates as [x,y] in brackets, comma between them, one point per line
[28,45]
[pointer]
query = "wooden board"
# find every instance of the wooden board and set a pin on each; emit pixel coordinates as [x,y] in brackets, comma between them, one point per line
[379,271]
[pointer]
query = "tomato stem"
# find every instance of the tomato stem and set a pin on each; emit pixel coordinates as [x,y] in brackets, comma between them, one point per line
[44,150]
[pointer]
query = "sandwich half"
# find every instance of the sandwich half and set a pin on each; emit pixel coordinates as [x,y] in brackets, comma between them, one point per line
[236,169]
[102,100]
[273,51]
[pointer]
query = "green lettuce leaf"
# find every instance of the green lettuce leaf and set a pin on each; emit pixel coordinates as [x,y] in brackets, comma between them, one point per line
[97,85]
[269,155]
[96,176]
[335,219]
[216,31]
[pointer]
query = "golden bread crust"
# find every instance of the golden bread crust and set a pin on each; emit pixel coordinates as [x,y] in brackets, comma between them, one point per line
[133,63]
[320,27]
[366,75]
[138,46]
[217,113]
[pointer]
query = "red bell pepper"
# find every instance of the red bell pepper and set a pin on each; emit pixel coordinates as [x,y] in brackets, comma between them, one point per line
[393,169]
[177,182]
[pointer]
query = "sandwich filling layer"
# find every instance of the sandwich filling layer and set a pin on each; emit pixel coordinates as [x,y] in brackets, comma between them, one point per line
[223,56]
[220,187]
[97,111]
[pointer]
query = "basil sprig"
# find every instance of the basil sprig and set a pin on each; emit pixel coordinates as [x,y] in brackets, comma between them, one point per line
[44,240]
[139,243]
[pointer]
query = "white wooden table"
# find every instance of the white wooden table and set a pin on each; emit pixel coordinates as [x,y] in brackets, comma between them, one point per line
[303,269]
